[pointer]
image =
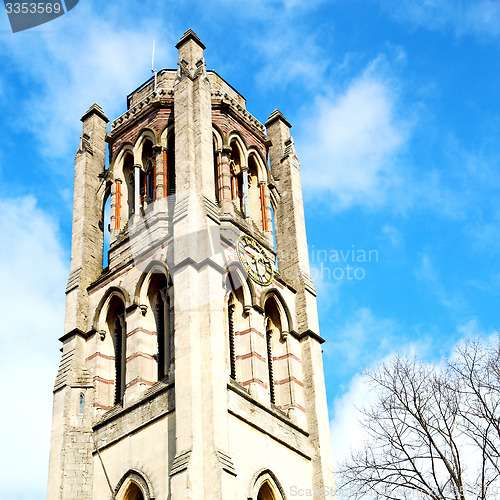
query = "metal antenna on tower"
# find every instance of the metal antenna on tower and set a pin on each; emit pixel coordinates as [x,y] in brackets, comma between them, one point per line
[153,67]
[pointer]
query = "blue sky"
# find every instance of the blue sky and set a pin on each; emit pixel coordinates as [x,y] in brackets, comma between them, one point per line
[396,118]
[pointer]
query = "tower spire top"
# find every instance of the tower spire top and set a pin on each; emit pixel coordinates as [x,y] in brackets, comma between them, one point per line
[190,35]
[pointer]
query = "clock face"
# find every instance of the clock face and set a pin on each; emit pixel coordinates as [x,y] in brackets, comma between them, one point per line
[254,259]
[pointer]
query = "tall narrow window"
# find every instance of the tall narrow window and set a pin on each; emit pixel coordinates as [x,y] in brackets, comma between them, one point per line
[232,351]
[119,369]
[80,404]
[269,339]
[129,176]
[116,327]
[236,177]
[148,174]
[273,226]
[171,165]
[160,334]
[106,218]
[160,306]
[274,350]
[254,193]
[217,174]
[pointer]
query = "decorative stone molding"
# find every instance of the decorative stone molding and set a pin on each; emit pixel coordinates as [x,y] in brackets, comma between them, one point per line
[180,463]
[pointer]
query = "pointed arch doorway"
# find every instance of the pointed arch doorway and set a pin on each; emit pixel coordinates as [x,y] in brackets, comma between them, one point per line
[133,492]
[266,492]
[134,486]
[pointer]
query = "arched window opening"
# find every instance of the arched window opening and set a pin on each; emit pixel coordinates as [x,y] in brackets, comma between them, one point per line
[232,351]
[81,403]
[266,492]
[148,174]
[133,492]
[236,177]
[129,176]
[237,329]
[266,487]
[117,327]
[217,173]
[257,211]
[171,164]
[133,486]
[160,305]
[273,334]
[106,229]
[274,236]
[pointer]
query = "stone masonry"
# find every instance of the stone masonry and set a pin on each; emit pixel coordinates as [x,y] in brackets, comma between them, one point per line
[187,374]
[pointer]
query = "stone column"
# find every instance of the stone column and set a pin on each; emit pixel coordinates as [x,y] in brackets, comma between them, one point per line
[160,164]
[118,205]
[293,260]
[199,468]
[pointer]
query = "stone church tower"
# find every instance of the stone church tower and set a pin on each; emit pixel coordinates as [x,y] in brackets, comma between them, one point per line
[191,363]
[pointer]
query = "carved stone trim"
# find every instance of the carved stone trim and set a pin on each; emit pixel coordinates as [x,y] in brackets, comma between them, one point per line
[180,463]
[226,462]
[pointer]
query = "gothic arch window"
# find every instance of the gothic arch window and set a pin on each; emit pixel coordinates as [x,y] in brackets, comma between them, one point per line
[133,486]
[116,325]
[133,492]
[106,224]
[274,346]
[266,492]
[147,174]
[171,164]
[232,351]
[238,327]
[159,300]
[257,211]
[265,486]
[235,165]
[217,172]
[129,176]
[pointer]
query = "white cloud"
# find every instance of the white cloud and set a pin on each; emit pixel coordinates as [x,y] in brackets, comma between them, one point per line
[33,271]
[427,273]
[347,432]
[480,17]
[350,150]
[392,235]
[292,57]
[362,338]
[89,58]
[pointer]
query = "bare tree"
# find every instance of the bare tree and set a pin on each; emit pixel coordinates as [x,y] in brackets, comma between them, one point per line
[433,431]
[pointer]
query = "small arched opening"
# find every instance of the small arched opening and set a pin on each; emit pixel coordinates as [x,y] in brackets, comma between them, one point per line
[236,177]
[273,340]
[133,492]
[115,321]
[106,229]
[266,492]
[133,486]
[129,176]
[147,174]
[265,486]
[171,164]
[159,301]
[257,211]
